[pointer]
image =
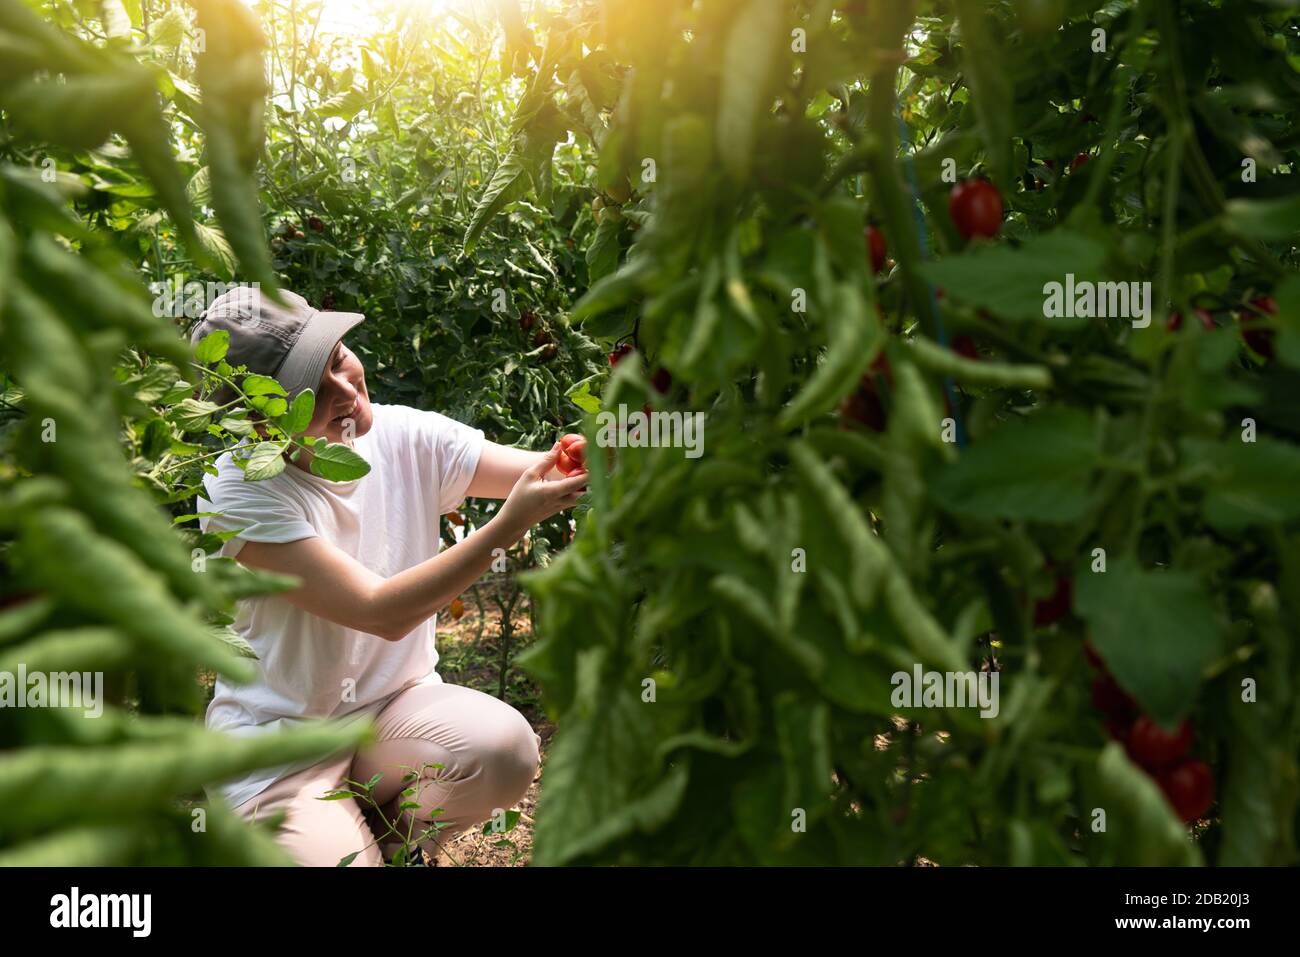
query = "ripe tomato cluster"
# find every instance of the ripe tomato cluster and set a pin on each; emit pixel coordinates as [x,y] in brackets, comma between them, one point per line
[1187,783]
[573,455]
[1253,322]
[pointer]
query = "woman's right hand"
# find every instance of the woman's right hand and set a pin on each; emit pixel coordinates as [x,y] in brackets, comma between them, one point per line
[535,498]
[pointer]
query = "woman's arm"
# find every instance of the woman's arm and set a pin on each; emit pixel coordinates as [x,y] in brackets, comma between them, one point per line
[338,588]
[499,468]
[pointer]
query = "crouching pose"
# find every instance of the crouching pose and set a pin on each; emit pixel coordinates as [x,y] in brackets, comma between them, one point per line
[357,636]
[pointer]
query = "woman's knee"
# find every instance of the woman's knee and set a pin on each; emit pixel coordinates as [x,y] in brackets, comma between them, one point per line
[509,758]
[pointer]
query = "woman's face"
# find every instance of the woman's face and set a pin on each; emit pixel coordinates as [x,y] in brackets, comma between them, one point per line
[342,402]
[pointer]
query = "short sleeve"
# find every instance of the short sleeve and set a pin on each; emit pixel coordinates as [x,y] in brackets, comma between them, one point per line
[454,449]
[253,509]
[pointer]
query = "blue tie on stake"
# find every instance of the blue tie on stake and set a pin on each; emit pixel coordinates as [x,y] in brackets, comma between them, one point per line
[925,254]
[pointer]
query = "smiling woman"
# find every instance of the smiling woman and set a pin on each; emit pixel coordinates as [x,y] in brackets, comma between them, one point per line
[356,637]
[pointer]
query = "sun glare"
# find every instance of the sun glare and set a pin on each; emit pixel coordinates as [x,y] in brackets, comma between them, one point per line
[359,16]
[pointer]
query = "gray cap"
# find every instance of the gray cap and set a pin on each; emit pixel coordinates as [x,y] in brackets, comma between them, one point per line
[292,343]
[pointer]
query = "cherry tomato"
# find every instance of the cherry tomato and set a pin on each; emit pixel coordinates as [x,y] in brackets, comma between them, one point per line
[549,352]
[316,224]
[526,319]
[662,380]
[620,353]
[457,609]
[976,208]
[542,338]
[1189,787]
[1258,336]
[877,247]
[964,345]
[1056,605]
[1079,161]
[863,406]
[1175,321]
[1152,746]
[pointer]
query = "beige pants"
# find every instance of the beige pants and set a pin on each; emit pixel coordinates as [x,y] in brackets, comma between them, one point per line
[490,756]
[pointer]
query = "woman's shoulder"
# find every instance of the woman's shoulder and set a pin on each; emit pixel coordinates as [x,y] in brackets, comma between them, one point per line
[231,483]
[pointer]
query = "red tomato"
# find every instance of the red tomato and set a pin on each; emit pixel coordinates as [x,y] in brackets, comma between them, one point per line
[526,319]
[457,609]
[964,345]
[1079,161]
[619,354]
[1175,321]
[662,380]
[864,406]
[1189,788]
[563,464]
[1152,746]
[976,208]
[1056,605]
[575,447]
[1258,336]
[877,247]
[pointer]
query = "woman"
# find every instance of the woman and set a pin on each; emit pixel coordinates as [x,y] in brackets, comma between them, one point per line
[356,638]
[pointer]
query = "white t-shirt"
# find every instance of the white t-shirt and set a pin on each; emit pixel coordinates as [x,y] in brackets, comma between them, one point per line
[421,464]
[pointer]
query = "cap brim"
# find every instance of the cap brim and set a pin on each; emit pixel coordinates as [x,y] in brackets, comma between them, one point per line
[305,364]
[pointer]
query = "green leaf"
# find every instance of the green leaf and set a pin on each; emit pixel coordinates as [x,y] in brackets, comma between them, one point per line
[1038,469]
[344,105]
[612,745]
[986,67]
[1267,219]
[266,462]
[1253,483]
[508,183]
[77,111]
[748,68]
[1010,282]
[581,396]
[236,426]
[212,347]
[214,243]
[602,254]
[338,463]
[1157,631]
[191,415]
[255,384]
[300,413]
[1141,827]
